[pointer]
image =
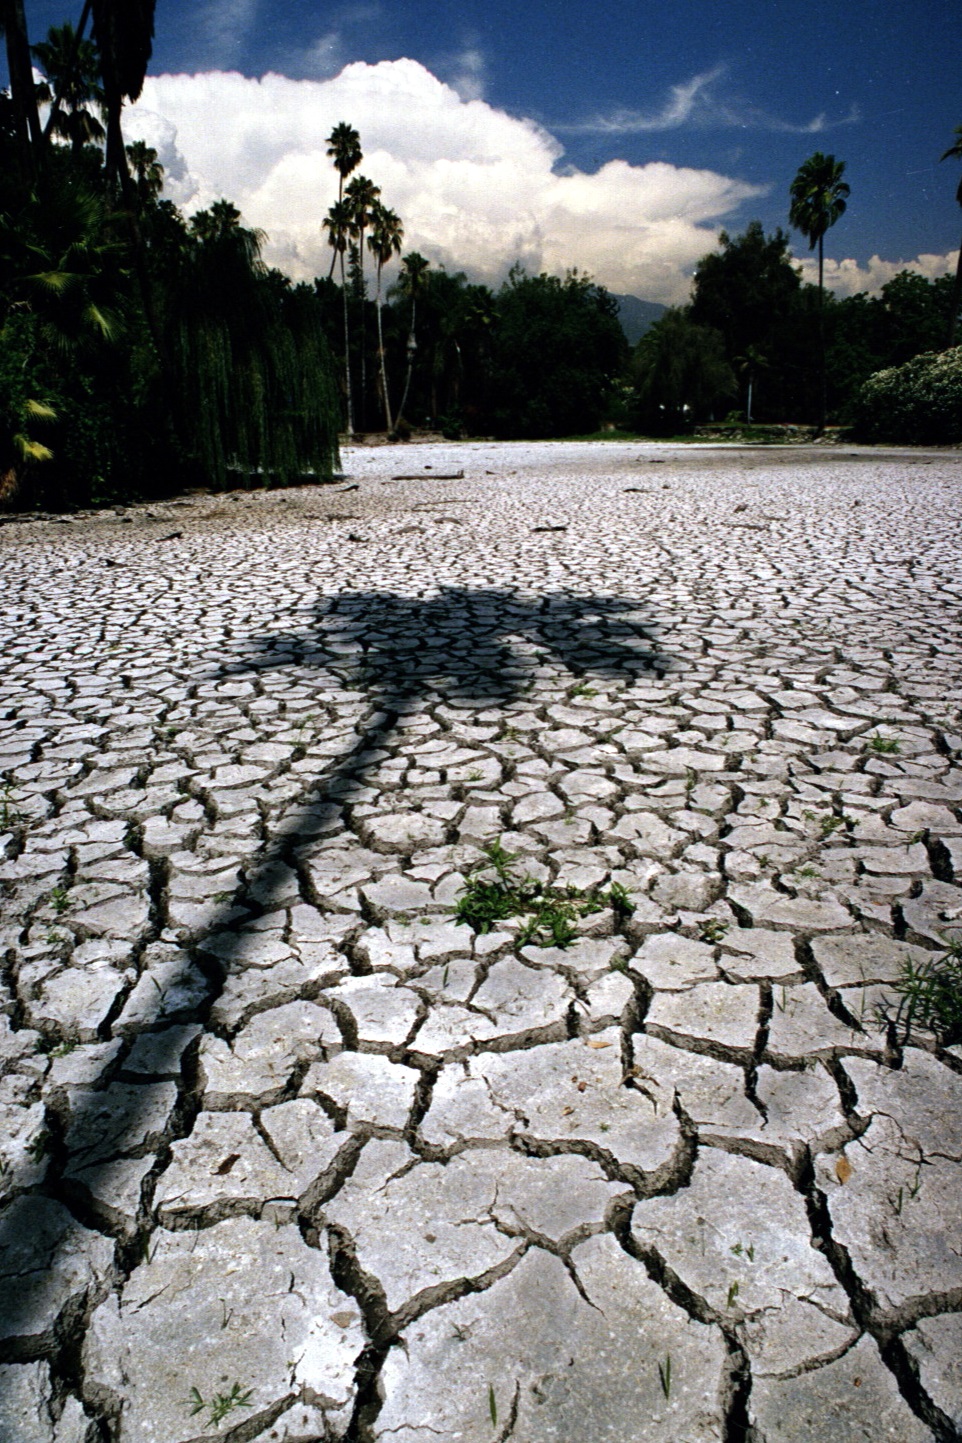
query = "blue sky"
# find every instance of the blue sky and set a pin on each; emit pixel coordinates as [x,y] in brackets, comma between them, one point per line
[741,91]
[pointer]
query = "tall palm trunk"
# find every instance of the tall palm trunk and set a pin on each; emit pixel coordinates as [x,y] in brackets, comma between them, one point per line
[411,348]
[362,408]
[389,425]
[823,389]
[347,355]
[23,98]
[955,302]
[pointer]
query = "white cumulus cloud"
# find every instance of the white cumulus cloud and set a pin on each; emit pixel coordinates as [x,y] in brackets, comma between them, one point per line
[847,277]
[477,188]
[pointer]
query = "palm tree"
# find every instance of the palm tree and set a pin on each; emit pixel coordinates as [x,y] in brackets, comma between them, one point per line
[818,195]
[344,148]
[124,31]
[339,224]
[147,170]
[954,152]
[385,239]
[362,195]
[72,70]
[749,366]
[411,283]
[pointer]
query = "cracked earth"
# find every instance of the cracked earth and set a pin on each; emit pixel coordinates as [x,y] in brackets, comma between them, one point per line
[289,1154]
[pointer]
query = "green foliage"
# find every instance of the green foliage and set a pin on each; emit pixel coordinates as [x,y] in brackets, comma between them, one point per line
[751,293]
[818,195]
[930,997]
[549,912]
[556,350]
[681,375]
[221,1405]
[133,353]
[919,403]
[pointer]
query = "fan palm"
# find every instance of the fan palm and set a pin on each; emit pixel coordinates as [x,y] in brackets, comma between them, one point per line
[362,195]
[344,148]
[954,152]
[124,30]
[72,70]
[339,224]
[385,239]
[818,196]
[411,283]
[148,172]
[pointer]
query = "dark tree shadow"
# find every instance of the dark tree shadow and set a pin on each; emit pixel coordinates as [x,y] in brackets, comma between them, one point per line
[477,648]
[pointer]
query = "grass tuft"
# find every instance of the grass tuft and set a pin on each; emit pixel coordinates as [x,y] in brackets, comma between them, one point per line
[930,997]
[549,913]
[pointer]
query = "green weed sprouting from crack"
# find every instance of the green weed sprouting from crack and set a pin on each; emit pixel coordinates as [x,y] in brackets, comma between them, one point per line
[880,744]
[10,815]
[60,900]
[39,1145]
[930,997]
[713,929]
[664,1376]
[221,1405]
[549,912]
[584,689]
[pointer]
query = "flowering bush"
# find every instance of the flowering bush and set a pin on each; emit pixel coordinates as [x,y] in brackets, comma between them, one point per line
[919,403]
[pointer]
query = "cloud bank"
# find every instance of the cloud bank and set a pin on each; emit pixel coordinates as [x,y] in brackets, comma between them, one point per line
[847,277]
[477,189]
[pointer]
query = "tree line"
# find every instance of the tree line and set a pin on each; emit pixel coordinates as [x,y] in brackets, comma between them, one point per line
[140,349]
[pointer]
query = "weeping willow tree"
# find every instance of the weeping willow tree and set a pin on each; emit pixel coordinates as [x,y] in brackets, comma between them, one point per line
[254,374]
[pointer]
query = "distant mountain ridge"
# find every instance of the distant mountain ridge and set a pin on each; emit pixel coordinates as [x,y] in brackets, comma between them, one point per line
[637,315]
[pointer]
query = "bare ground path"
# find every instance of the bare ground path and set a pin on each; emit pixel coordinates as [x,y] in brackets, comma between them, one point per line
[285,1153]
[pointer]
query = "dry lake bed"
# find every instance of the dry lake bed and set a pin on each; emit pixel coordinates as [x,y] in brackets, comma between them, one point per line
[452,932]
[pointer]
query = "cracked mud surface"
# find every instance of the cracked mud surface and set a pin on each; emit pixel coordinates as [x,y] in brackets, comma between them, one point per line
[289,1155]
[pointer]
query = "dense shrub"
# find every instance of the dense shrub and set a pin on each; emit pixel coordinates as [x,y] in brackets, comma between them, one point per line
[919,403]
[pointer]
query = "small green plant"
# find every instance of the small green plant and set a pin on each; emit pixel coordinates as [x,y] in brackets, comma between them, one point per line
[712,929]
[664,1376]
[9,812]
[221,1405]
[39,1145]
[492,1406]
[475,774]
[60,900]
[732,1294]
[930,996]
[620,899]
[691,780]
[878,743]
[739,1248]
[549,927]
[549,912]
[807,872]
[583,689]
